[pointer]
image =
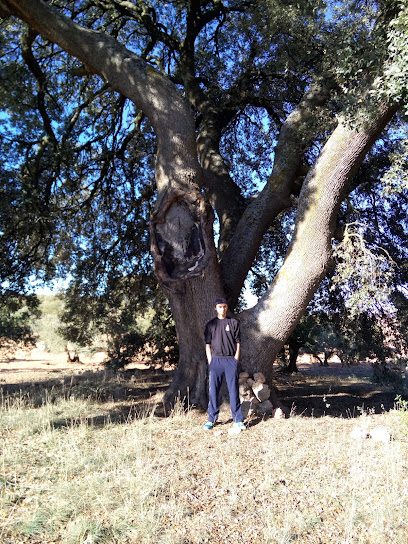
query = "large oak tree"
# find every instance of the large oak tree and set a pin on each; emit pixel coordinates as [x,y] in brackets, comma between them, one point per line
[196,72]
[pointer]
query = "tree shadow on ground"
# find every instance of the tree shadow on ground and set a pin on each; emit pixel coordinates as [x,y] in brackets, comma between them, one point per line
[333,394]
[137,393]
[123,396]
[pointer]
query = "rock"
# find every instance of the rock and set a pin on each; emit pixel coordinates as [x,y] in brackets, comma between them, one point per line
[265,407]
[278,413]
[380,434]
[261,390]
[259,377]
[246,408]
[234,431]
[245,392]
[358,433]
[249,407]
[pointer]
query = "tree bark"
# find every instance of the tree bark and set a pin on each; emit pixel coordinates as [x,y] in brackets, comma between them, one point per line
[223,194]
[267,326]
[186,266]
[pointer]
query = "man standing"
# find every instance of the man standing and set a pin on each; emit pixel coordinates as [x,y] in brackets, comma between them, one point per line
[222,347]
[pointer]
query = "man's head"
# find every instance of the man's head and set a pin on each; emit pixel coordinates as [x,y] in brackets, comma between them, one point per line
[221,307]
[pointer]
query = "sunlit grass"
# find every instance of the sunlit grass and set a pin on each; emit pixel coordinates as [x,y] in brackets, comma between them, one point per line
[71,474]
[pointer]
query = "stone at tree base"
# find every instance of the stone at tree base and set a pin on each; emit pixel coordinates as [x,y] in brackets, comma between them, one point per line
[265,407]
[261,390]
[234,431]
[278,413]
[249,407]
[245,392]
[259,377]
[258,398]
[246,408]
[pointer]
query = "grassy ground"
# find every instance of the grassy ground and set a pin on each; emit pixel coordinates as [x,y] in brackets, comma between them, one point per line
[92,460]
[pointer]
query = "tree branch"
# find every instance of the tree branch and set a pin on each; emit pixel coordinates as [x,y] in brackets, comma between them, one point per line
[310,252]
[295,137]
[27,38]
[144,15]
[127,73]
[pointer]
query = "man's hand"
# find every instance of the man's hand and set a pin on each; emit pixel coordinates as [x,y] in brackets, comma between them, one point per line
[208,352]
[238,351]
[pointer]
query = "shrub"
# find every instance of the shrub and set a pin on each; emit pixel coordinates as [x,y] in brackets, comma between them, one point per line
[389,374]
[16,314]
[402,410]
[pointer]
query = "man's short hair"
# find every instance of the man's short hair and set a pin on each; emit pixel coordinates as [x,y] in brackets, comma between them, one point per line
[220,301]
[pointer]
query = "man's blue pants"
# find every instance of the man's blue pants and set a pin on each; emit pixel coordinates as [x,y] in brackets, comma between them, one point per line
[228,367]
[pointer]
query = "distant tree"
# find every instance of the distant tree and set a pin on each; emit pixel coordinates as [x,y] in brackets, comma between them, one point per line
[111,321]
[352,339]
[16,314]
[249,113]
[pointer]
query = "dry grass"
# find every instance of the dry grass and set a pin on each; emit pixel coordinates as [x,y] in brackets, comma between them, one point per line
[74,472]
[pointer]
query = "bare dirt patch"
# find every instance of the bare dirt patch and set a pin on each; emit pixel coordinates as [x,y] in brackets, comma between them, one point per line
[37,377]
[39,365]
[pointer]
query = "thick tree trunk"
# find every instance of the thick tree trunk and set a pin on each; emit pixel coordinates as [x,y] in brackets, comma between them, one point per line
[186,265]
[267,326]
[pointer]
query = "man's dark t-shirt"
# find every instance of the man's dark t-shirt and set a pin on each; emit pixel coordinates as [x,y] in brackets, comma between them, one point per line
[223,335]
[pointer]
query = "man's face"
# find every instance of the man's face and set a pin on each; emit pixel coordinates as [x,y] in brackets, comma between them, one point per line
[221,310]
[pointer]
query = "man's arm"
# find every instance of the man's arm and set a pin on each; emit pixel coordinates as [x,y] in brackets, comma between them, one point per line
[237,337]
[208,352]
[237,352]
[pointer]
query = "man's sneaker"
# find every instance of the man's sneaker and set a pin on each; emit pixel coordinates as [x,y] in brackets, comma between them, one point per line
[209,425]
[239,426]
